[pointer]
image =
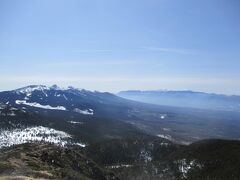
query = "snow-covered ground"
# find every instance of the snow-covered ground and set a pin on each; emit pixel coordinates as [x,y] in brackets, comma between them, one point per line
[146,156]
[34,104]
[75,122]
[119,166]
[168,137]
[85,112]
[35,134]
[163,116]
[184,167]
[10,112]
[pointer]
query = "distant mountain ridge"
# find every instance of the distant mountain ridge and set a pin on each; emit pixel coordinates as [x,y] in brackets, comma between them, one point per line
[69,99]
[187,98]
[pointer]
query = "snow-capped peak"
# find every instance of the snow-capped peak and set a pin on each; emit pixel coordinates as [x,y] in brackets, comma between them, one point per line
[31,88]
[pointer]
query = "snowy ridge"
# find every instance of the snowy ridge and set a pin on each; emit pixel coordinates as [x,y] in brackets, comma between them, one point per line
[29,89]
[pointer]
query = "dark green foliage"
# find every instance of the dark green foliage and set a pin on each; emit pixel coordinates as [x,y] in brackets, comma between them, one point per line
[220,159]
[5,167]
[211,159]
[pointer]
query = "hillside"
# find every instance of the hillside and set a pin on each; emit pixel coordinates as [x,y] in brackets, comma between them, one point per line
[150,158]
[144,158]
[47,161]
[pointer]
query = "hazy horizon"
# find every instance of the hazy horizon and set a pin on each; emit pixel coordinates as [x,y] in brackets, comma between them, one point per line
[121,45]
[117,91]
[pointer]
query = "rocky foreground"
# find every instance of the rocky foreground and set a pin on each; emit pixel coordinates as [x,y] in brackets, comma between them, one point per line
[46,161]
[209,159]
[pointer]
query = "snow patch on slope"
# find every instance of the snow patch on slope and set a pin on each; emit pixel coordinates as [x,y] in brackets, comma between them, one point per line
[119,166]
[35,134]
[34,104]
[75,122]
[168,137]
[65,97]
[184,167]
[18,136]
[85,112]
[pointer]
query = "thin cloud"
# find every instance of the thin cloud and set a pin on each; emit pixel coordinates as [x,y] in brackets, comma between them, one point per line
[92,50]
[94,63]
[193,80]
[168,50]
[146,48]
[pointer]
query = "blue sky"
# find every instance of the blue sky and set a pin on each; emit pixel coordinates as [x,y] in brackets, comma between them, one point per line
[113,45]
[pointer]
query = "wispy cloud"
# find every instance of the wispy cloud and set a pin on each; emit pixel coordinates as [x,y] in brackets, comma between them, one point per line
[92,50]
[168,50]
[94,63]
[192,80]
[145,48]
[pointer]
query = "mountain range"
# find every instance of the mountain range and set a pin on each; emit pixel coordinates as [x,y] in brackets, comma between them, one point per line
[190,99]
[122,138]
